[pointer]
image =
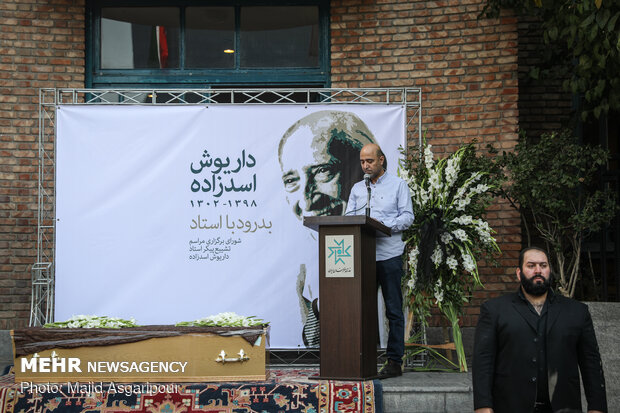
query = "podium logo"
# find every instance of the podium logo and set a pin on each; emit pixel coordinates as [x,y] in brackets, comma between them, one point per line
[52,364]
[339,253]
[339,250]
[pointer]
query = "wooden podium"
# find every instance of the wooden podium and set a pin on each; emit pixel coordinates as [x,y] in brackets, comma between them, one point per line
[348,295]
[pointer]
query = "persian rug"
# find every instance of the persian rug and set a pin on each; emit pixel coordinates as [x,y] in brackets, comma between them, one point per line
[286,390]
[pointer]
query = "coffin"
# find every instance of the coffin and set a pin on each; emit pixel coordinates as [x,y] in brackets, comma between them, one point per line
[140,354]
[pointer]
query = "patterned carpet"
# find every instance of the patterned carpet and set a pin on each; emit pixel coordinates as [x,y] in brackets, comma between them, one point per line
[286,390]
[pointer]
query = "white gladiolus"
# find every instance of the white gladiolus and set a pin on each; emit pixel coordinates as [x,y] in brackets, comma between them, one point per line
[475,177]
[438,291]
[413,257]
[452,171]
[463,220]
[403,173]
[460,234]
[446,238]
[482,225]
[484,231]
[428,156]
[435,181]
[468,263]
[452,262]
[460,193]
[422,197]
[480,188]
[437,256]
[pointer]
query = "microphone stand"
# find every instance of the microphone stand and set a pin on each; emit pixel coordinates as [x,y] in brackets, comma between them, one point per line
[367,179]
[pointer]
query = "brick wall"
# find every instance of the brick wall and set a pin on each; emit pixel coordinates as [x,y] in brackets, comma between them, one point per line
[41,45]
[467,69]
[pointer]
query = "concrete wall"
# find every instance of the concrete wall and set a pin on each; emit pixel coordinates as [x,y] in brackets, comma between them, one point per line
[606,319]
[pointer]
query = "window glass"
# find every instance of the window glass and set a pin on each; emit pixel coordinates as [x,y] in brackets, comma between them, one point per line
[279,36]
[209,37]
[139,37]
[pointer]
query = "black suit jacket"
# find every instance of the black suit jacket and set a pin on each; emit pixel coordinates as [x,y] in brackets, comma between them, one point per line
[504,366]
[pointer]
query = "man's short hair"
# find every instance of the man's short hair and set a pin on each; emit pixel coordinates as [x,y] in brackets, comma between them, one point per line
[533,248]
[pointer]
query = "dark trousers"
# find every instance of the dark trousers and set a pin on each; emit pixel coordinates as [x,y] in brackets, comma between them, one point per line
[389,274]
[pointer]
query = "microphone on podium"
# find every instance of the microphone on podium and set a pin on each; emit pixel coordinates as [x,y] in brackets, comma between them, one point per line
[367,181]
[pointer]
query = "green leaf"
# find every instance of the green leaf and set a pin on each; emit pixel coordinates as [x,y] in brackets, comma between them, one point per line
[612,22]
[588,20]
[600,87]
[593,33]
[602,17]
[553,33]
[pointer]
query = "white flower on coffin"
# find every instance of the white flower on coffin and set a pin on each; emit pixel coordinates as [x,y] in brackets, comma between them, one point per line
[228,319]
[92,321]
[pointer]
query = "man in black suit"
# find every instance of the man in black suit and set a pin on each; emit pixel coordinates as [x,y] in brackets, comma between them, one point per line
[530,346]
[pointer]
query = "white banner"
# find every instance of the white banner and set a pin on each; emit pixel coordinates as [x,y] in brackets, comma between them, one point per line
[173,213]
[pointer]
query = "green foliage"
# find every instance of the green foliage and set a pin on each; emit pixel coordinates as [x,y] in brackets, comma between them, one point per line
[582,44]
[553,181]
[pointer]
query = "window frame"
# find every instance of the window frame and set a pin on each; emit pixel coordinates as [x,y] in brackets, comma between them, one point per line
[96,77]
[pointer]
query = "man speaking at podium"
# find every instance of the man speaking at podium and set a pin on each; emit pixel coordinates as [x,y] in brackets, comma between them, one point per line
[386,198]
[315,155]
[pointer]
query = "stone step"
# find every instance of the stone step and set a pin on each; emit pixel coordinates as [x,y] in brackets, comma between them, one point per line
[428,392]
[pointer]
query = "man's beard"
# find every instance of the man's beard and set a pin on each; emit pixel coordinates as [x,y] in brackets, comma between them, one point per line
[533,288]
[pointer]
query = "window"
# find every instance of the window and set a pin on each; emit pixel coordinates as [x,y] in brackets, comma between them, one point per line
[207,44]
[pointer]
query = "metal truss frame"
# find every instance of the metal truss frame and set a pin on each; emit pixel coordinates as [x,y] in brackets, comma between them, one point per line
[42,303]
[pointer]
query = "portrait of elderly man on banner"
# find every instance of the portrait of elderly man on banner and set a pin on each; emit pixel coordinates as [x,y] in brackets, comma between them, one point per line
[228,202]
[319,159]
